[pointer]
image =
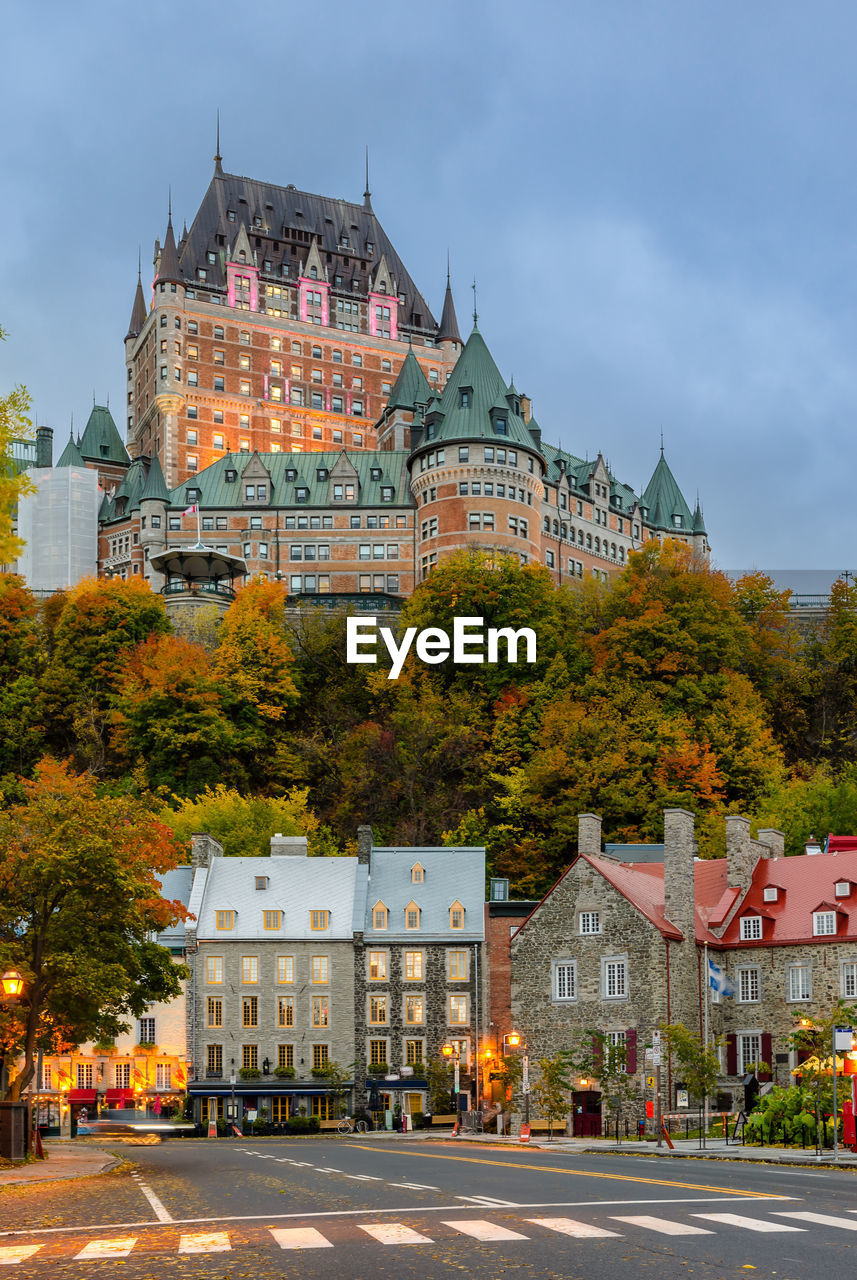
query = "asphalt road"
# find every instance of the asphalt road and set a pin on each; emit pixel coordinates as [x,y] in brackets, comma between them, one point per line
[395,1209]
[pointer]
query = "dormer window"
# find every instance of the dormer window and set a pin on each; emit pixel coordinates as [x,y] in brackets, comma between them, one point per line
[231,475]
[379,916]
[823,923]
[319,920]
[412,916]
[751,928]
[225,919]
[313,273]
[456,915]
[322,473]
[464,397]
[261,882]
[842,888]
[291,473]
[418,874]
[770,893]
[375,473]
[272,920]
[500,426]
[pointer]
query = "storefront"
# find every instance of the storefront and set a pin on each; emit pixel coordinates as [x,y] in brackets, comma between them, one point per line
[275,1103]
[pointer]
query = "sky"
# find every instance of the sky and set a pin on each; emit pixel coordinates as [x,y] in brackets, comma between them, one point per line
[656,199]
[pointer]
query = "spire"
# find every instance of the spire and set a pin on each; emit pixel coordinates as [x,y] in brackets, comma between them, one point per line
[168,268]
[367,194]
[71,455]
[448,330]
[138,312]
[218,158]
[475,312]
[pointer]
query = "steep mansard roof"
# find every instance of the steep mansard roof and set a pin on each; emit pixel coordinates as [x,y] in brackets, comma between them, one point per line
[389,468]
[284,211]
[101,441]
[449,875]
[579,471]
[411,387]
[155,486]
[472,398]
[71,455]
[664,499]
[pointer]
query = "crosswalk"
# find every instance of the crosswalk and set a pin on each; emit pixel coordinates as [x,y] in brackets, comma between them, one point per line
[396,1234]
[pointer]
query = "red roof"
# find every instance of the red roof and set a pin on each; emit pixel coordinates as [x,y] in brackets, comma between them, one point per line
[803,883]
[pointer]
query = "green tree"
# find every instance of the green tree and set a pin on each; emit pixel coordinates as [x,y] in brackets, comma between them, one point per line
[698,1062]
[14,481]
[551,1090]
[812,1042]
[22,659]
[244,824]
[79,901]
[337,1078]
[440,1077]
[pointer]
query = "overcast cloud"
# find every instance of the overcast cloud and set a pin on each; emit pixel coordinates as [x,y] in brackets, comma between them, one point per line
[657,200]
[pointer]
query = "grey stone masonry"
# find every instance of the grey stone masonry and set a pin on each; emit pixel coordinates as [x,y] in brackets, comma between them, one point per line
[589,833]
[678,870]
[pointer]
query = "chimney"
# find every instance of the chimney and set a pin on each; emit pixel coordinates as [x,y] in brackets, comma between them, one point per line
[589,834]
[679,850]
[202,849]
[44,446]
[775,842]
[740,855]
[364,844]
[288,846]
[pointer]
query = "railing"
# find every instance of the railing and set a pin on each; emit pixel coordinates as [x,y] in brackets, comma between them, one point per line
[363,603]
[809,602]
[180,587]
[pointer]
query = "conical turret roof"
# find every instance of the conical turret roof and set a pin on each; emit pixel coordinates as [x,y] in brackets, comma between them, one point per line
[473,401]
[101,441]
[71,455]
[665,500]
[698,520]
[411,387]
[138,311]
[448,329]
[156,486]
[168,267]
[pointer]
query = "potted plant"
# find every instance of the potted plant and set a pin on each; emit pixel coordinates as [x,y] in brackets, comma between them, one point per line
[378,1069]
[284,1073]
[250,1073]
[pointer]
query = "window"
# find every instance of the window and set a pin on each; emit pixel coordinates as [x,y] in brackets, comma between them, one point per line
[590,922]
[214,1060]
[414,1053]
[799,982]
[285,1056]
[748,984]
[769,894]
[379,916]
[751,928]
[320,969]
[249,968]
[823,923]
[378,966]
[414,1011]
[457,1011]
[456,915]
[412,916]
[147,1031]
[749,1050]
[285,1011]
[214,1011]
[320,1055]
[272,919]
[250,1057]
[848,983]
[842,888]
[225,919]
[378,1010]
[121,1076]
[564,980]
[250,1011]
[378,1053]
[457,966]
[614,978]
[321,1011]
[414,966]
[285,969]
[418,874]
[214,969]
[319,920]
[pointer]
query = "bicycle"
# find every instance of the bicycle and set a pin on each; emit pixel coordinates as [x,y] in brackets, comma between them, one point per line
[347,1125]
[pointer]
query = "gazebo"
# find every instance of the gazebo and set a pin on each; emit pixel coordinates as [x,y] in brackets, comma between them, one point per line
[196,573]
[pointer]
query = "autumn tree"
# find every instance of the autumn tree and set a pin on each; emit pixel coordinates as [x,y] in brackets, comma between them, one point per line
[22,658]
[243,824]
[79,902]
[551,1090]
[14,481]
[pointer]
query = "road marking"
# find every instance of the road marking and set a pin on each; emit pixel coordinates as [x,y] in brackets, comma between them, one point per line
[568,1227]
[18,1253]
[158,1208]
[118,1248]
[823,1219]
[749,1224]
[489,1202]
[362,1177]
[518,1166]
[415,1186]
[481,1229]
[664,1227]
[206,1242]
[299,1238]
[395,1233]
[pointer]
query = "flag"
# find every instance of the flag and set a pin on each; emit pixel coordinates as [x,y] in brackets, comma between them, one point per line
[190,511]
[718,980]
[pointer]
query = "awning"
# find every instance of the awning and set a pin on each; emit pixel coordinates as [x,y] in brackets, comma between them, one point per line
[380,1085]
[114,1096]
[81,1095]
[257,1089]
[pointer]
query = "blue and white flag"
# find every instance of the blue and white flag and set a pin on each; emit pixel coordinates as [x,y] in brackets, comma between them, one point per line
[718,980]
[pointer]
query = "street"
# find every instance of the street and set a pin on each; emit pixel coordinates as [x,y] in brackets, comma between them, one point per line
[303,1207]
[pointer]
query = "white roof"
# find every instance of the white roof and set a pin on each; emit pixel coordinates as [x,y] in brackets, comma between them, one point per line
[451,875]
[295,886]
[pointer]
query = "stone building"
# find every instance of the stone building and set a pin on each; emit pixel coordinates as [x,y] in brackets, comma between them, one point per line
[619,945]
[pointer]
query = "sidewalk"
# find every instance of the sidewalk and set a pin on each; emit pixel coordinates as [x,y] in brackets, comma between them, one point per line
[65,1160]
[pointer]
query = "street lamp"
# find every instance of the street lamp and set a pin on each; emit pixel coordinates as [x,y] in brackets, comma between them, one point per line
[514,1041]
[448,1052]
[13,984]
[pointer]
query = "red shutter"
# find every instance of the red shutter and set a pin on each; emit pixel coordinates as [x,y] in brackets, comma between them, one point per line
[731,1055]
[767,1054]
[631,1051]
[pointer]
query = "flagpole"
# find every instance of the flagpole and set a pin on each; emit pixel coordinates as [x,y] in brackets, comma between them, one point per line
[198,530]
[705,1036]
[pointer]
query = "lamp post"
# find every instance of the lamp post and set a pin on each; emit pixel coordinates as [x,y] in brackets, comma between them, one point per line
[452,1051]
[514,1041]
[232,1082]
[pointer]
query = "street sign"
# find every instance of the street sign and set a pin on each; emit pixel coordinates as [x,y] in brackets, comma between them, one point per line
[650,1057]
[656,1039]
[656,1057]
[843,1039]
[525,1081]
[650,1082]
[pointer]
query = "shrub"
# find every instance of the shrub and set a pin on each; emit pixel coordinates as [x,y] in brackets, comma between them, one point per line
[304,1124]
[250,1073]
[284,1073]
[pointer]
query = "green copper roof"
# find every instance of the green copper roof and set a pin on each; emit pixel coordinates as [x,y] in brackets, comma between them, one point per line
[105,511]
[665,501]
[578,470]
[70,456]
[411,387]
[101,441]
[698,521]
[475,388]
[155,486]
[131,486]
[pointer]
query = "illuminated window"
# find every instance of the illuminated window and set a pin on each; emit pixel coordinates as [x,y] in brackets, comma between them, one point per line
[456,916]
[214,969]
[250,1011]
[320,1011]
[378,966]
[319,919]
[414,966]
[285,969]
[457,1010]
[285,1011]
[414,1010]
[214,1011]
[379,916]
[418,874]
[320,969]
[412,916]
[378,1010]
[249,968]
[414,1053]
[225,919]
[457,966]
[272,919]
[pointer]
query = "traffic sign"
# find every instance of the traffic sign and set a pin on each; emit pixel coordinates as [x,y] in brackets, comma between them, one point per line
[656,1056]
[650,1082]
[656,1039]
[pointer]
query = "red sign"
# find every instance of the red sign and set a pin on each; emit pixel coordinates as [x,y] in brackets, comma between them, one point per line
[525,1133]
[650,1108]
